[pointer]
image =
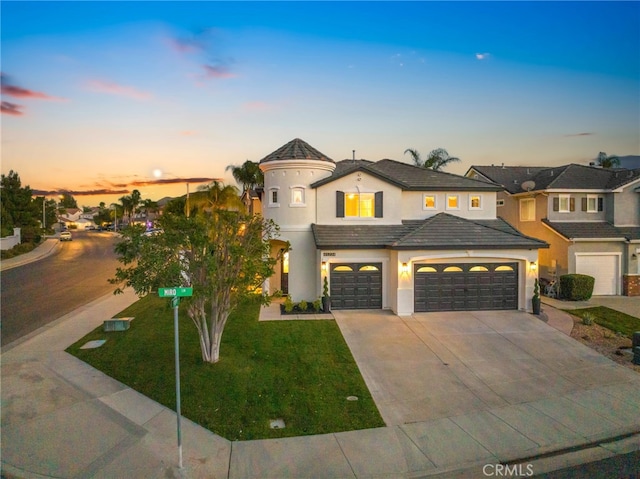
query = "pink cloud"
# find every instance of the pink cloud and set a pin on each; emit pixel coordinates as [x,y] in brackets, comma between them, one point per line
[188,133]
[256,106]
[9,108]
[112,88]
[15,91]
[217,71]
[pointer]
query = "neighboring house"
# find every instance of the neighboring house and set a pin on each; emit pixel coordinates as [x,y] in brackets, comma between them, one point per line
[90,214]
[392,235]
[589,216]
[71,218]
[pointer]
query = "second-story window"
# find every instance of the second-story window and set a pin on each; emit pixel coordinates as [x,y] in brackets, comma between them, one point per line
[429,202]
[297,196]
[452,202]
[564,204]
[475,202]
[592,204]
[527,209]
[274,200]
[358,205]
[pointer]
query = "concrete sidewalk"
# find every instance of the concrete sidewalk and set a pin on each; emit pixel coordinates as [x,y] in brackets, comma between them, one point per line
[625,304]
[48,247]
[62,418]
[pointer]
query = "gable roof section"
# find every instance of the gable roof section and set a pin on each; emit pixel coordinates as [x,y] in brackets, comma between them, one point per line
[442,231]
[296,149]
[593,230]
[409,177]
[567,177]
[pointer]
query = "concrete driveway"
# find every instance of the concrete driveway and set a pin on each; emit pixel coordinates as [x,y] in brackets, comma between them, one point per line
[438,365]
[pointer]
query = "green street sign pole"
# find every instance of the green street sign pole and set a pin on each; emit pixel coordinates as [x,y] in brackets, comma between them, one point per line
[175,294]
[176,302]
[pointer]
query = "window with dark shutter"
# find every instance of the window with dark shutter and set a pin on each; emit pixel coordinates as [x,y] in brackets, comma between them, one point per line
[339,204]
[600,204]
[556,204]
[584,204]
[378,205]
[572,204]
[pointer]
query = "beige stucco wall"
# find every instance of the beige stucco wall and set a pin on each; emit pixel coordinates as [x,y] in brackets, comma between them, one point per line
[413,205]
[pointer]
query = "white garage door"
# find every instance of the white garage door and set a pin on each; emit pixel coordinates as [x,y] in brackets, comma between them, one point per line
[604,268]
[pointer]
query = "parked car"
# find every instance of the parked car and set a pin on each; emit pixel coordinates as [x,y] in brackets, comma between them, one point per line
[66,236]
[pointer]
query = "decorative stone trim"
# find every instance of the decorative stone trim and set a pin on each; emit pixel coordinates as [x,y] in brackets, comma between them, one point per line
[631,284]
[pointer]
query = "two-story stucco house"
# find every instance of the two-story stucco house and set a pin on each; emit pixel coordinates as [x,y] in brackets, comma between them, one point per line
[589,216]
[391,235]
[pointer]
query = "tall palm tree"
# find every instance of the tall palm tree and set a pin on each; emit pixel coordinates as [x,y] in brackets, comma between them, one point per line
[216,196]
[437,159]
[127,207]
[249,176]
[604,161]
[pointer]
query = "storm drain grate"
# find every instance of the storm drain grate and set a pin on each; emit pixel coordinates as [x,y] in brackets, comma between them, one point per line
[276,424]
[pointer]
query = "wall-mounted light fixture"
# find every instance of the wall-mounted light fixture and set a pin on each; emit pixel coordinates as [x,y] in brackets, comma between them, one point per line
[533,266]
[405,268]
[324,266]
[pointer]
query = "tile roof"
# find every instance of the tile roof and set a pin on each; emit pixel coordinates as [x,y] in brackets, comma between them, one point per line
[442,231]
[296,149]
[590,230]
[567,177]
[409,177]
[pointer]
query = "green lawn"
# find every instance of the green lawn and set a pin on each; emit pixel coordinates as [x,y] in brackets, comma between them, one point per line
[300,371]
[611,319]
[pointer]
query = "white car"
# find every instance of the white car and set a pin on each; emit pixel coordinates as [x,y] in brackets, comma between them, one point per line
[66,236]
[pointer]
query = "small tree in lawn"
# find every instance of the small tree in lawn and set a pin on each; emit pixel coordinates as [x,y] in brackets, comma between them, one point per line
[222,254]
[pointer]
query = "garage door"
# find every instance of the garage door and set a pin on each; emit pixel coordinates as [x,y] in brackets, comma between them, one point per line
[604,268]
[465,286]
[356,286]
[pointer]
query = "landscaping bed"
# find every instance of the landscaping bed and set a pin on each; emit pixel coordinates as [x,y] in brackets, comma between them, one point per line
[610,341]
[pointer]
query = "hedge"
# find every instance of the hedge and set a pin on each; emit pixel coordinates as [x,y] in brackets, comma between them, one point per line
[576,287]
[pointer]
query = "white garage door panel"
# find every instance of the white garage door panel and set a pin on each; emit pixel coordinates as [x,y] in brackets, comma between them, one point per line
[604,268]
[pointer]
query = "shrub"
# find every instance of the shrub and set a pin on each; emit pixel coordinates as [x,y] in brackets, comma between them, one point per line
[302,305]
[587,319]
[317,305]
[576,287]
[288,304]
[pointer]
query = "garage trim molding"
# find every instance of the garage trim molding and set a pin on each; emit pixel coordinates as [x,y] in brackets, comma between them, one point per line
[605,253]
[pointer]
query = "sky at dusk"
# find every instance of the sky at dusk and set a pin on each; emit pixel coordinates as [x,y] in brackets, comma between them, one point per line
[105,97]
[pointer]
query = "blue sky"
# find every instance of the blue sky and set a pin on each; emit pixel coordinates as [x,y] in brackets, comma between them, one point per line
[99,95]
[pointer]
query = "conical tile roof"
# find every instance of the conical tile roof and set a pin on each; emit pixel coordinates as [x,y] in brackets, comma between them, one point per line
[296,150]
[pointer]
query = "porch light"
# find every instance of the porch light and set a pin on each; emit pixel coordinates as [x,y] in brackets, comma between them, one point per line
[324,266]
[533,266]
[405,268]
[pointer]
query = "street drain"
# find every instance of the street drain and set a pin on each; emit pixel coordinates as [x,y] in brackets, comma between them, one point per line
[94,344]
[276,424]
[352,398]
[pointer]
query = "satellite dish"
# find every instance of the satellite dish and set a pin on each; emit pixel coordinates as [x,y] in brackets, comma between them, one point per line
[528,185]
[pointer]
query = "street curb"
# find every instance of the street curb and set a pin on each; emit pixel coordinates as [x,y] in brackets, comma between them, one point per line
[41,252]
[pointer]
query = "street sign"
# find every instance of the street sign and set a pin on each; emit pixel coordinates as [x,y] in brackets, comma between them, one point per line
[175,292]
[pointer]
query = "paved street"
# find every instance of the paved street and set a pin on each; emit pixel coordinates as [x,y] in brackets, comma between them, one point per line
[37,293]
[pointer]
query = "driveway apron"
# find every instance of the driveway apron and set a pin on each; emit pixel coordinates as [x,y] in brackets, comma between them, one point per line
[440,365]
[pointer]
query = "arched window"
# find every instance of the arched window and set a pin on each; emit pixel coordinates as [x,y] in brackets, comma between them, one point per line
[368,268]
[343,268]
[452,269]
[478,268]
[504,268]
[426,269]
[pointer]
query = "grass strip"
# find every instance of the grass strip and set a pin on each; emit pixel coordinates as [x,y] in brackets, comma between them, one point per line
[611,319]
[299,371]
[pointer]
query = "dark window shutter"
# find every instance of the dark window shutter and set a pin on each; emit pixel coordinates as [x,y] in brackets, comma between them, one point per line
[572,204]
[584,204]
[600,204]
[339,204]
[556,204]
[378,205]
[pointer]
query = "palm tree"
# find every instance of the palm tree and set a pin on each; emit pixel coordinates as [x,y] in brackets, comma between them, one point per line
[147,206]
[437,159]
[216,196]
[127,207]
[249,176]
[604,161]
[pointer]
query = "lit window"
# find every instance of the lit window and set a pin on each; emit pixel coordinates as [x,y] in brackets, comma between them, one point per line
[452,269]
[504,268]
[297,196]
[475,202]
[452,202]
[343,268]
[285,263]
[368,268]
[429,202]
[427,269]
[478,268]
[528,209]
[359,205]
